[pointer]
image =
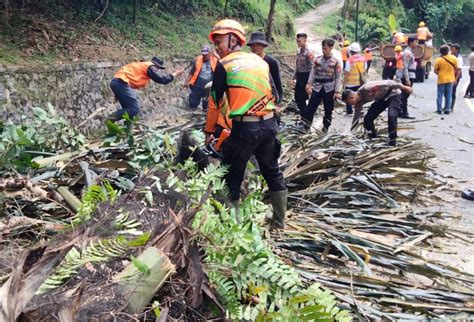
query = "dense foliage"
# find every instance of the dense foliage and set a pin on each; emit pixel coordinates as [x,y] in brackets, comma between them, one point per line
[62,30]
[20,143]
[450,21]
[252,281]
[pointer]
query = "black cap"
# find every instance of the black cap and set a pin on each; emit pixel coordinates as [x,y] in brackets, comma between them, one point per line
[257,37]
[158,62]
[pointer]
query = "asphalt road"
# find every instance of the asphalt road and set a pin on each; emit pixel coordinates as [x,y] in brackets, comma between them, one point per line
[450,136]
[453,165]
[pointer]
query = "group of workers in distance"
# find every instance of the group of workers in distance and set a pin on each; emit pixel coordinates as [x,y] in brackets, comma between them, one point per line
[246,88]
[323,78]
[423,35]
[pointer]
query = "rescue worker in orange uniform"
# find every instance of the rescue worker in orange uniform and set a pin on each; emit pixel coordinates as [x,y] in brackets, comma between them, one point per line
[423,33]
[245,80]
[368,55]
[399,62]
[345,53]
[136,76]
[200,74]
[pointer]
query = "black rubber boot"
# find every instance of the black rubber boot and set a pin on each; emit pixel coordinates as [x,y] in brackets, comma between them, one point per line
[279,203]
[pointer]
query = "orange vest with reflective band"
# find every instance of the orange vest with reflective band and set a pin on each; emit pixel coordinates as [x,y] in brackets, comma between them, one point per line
[399,59]
[422,33]
[368,55]
[135,74]
[199,63]
[357,68]
[248,79]
[249,91]
[344,52]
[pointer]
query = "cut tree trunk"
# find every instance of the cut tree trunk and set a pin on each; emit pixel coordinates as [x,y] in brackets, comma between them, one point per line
[70,198]
[141,286]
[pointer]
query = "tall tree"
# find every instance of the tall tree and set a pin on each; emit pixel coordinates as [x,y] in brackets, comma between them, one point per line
[6,17]
[271,17]
[135,4]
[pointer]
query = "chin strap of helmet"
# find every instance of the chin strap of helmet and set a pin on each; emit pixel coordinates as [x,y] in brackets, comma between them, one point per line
[229,39]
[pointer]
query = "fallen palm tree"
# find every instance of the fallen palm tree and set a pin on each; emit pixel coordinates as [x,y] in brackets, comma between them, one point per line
[153,238]
[353,228]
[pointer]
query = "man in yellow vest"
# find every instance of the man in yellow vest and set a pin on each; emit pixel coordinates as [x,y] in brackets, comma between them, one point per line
[245,80]
[354,72]
[136,76]
[423,33]
[200,74]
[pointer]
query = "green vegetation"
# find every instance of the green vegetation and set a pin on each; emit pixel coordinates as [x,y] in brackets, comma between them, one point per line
[59,31]
[251,280]
[17,141]
[451,20]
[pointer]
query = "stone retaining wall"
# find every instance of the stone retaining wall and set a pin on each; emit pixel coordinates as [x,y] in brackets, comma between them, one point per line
[77,90]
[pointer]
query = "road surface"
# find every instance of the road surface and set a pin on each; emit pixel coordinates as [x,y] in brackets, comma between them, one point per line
[451,136]
[306,22]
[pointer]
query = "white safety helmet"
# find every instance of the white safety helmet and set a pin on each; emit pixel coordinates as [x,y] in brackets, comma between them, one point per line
[355,47]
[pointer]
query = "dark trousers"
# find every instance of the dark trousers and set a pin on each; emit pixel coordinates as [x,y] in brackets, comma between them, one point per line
[453,99]
[470,87]
[127,98]
[421,42]
[196,96]
[393,104]
[404,110]
[369,63]
[300,92]
[349,109]
[253,138]
[314,101]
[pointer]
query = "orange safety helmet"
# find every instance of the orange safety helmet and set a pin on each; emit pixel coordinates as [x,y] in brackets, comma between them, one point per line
[228,26]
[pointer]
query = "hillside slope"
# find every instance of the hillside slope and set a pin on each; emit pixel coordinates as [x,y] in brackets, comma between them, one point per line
[59,33]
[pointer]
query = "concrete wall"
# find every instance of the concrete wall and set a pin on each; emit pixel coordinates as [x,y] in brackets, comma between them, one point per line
[77,90]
